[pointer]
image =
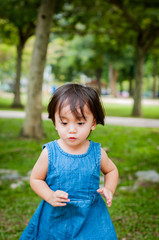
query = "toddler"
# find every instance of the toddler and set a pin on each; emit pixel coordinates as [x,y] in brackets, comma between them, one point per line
[67,174]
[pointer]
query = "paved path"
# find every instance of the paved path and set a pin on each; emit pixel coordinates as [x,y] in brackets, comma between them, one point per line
[121,121]
[129,101]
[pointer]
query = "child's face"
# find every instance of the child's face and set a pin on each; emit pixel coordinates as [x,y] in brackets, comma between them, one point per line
[73,131]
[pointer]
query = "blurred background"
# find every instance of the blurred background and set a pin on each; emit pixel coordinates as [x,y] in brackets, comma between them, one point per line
[110,45]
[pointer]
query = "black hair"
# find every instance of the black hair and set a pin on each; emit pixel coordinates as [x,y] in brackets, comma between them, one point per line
[76,96]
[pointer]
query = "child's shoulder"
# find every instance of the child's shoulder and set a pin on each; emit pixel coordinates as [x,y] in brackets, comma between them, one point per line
[48,144]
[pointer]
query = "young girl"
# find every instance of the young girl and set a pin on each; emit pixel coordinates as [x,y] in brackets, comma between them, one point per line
[67,173]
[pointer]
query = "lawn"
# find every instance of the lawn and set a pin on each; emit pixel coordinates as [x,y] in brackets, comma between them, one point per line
[135,212]
[125,110]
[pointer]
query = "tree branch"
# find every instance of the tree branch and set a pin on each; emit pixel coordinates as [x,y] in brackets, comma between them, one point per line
[131,20]
[149,37]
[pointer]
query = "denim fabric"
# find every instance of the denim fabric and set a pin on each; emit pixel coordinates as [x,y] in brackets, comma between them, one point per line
[86,216]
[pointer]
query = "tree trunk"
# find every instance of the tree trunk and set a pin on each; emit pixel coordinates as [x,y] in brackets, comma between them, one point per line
[112,75]
[121,87]
[98,78]
[115,77]
[140,57]
[154,87]
[17,101]
[32,126]
[131,90]
[131,81]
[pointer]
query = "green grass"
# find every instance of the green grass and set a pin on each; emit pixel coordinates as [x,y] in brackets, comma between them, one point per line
[135,213]
[123,110]
[5,103]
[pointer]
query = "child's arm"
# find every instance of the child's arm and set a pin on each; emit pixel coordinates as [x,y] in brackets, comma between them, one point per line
[110,177]
[40,187]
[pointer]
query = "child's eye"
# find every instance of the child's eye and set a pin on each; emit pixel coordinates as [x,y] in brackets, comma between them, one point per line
[80,123]
[64,123]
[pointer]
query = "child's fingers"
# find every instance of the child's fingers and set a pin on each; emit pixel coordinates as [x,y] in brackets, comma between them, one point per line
[109,199]
[107,194]
[60,204]
[60,198]
[61,194]
[109,202]
[100,190]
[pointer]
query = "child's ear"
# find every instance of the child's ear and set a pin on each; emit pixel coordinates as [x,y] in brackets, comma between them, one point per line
[93,128]
[94,125]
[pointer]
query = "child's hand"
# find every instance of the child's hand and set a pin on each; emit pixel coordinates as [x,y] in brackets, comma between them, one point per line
[105,192]
[58,198]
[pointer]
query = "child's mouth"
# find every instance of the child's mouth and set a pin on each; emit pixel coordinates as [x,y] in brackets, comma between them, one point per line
[72,138]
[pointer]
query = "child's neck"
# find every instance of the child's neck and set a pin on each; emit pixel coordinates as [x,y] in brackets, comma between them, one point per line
[75,149]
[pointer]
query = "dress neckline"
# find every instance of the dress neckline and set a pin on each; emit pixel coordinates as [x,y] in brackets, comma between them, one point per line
[74,155]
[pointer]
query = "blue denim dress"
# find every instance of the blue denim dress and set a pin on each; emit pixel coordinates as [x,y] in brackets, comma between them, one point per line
[86,216]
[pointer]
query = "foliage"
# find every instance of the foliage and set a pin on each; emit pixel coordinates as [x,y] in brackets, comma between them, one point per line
[8,32]
[18,17]
[70,58]
[7,62]
[85,36]
[134,212]
[108,41]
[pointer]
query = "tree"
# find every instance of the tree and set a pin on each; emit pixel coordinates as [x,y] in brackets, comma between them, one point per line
[32,126]
[154,54]
[17,26]
[143,19]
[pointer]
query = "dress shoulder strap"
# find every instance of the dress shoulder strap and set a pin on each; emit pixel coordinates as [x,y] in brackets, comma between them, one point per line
[51,154]
[97,154]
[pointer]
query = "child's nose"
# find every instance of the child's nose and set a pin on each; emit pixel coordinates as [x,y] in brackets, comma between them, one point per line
[72,128]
